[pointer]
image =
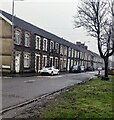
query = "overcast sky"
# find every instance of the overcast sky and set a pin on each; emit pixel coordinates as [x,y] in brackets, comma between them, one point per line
[55,16]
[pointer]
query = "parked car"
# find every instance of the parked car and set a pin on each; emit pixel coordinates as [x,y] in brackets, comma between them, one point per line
[90,68]
[51,70]
[75,69]
[82,68]
[111,71]
[99,68]
[111,68]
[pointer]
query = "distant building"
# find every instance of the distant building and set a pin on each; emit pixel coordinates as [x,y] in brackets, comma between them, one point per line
[32,48]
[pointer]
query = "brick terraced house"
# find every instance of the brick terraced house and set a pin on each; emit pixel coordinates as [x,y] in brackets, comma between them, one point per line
[32,48]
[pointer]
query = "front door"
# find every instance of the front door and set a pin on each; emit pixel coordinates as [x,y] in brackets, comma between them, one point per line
[37,63]
[17,63]
[68,68]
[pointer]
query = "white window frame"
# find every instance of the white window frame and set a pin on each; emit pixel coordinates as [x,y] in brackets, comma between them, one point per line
[36,61]
[56,58]
[38,42]
[74,62]
[85,56]
[82,56]
[71,63]
[51,46]
[45,47]
[64,63]
[57,47]
[65,50]
[27,39]
[78,54]
[61,49]
[89,57]
[72,52]
[52,59]
[75,53]
[69,52]
[27,57]
[45,60]
[17,37]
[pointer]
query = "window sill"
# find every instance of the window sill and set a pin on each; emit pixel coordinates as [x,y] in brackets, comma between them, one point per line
[26,67]
[17,44]
[27,46]
[37,49]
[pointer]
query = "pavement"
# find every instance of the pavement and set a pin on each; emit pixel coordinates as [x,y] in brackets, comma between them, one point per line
[16,90]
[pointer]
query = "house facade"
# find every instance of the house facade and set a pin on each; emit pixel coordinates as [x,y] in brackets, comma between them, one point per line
[32,48]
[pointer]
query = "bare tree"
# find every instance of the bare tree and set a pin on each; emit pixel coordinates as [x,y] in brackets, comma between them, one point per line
[96,17]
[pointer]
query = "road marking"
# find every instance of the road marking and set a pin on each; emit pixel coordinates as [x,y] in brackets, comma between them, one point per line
[29,81]
[57,76]
[6,77]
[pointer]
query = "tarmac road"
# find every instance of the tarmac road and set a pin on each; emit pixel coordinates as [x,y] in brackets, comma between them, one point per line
[20,89]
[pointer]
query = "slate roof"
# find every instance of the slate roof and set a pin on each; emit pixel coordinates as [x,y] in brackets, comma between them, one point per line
[36,30]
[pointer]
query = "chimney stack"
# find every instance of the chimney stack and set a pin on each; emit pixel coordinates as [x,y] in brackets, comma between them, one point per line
[82,45]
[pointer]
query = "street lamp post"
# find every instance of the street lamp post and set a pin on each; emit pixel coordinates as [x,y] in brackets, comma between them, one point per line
[84,56]
[13,7]
[12,60]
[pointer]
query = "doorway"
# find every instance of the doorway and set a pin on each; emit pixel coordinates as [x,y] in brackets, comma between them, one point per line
[17,63]
[37,63]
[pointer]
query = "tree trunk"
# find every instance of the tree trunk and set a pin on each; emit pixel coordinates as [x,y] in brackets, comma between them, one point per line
[106,68]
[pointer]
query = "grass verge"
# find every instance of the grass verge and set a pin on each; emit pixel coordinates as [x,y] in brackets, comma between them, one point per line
[90,100]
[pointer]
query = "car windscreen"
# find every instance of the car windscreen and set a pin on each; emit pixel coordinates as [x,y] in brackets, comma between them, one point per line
[47,66]
[75,67]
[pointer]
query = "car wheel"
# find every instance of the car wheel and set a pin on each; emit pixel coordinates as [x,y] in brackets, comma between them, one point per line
[52,73]
[58,73]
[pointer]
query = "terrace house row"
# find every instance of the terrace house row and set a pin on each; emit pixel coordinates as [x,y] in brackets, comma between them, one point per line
[33,48]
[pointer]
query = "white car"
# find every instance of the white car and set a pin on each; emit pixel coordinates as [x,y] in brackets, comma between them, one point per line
[49,70]
[82,68]
[99,68]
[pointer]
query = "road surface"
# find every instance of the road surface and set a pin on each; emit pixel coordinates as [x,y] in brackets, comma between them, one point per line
[20,89]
